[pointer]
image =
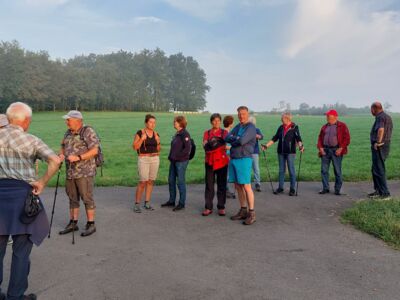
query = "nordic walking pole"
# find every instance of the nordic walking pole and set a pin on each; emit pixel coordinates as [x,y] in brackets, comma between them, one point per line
[269,175]
[55,198]
[73,233]
[298,174]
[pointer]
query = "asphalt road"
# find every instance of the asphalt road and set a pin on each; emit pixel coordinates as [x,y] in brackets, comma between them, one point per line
[297,249]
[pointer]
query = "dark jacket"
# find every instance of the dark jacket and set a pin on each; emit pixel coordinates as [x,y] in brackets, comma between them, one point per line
[257,147]
[180,146]
[288,142]
[343,136]
[242,144]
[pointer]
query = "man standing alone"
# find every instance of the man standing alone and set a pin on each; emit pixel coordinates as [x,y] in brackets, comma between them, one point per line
[79,149]
[380,136]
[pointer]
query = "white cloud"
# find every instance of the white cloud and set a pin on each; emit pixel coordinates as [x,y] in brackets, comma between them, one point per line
[337,30]
[147,20]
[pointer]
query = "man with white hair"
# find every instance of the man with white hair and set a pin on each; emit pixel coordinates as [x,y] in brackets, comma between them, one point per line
[18,153]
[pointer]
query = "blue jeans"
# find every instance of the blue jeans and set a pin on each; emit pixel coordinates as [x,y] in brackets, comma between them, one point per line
[379,172]
[177,170]
[287,159]
[256,168]
[20,265]
[337,168]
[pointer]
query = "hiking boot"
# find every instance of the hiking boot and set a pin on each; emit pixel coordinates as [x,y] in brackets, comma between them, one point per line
[258,187]
[375,194]
[278,191]
[178,207]
[137,209]
[251,218]
[168,204]
[221,212]
[206,212]
[241,215]
[292,192]
[72,226]
[147,206]
[322,192]
[29,297]
[89,229]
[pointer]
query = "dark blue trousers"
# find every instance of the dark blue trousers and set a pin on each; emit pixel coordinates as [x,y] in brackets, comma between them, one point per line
[177,177]
[20,265]
[379,172]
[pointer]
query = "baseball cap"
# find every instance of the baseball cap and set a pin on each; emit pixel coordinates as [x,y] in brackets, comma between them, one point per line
[3,120]
[73,114]
[332,112]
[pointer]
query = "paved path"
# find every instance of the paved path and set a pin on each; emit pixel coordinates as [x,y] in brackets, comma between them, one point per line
[297,249]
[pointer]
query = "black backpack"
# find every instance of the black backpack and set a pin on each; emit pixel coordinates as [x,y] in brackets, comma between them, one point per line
[192,149]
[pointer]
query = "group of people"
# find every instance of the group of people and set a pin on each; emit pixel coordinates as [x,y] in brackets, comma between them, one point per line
[231,156]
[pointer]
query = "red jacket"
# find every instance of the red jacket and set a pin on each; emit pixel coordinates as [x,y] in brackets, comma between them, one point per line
[218,157]
[343,136]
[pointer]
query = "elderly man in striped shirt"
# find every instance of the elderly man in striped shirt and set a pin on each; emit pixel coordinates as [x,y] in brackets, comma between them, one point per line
[18,153]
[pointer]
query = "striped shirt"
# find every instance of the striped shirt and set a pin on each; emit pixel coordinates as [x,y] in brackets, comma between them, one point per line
[19,151]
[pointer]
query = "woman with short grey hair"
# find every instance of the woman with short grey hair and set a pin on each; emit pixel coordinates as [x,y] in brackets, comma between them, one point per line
[288,138]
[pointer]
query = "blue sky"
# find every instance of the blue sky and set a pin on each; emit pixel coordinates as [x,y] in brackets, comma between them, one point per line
[255,52]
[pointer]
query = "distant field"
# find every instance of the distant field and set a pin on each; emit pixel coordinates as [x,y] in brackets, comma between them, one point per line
[118,128]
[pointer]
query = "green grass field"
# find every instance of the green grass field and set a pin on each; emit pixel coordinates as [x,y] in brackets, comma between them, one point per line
[378,218]
[117,130]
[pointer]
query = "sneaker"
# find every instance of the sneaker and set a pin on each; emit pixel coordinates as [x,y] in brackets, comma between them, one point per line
[278,191]
[258,187]
[70,227]
[374,194]
[221,212]
[168,204]
[137,209]
[338,193]
[29,297]
[147,206]
[292,192]
[206,212]
[251,218]
[323,192]
[178,207]
[89,229]
[241,215]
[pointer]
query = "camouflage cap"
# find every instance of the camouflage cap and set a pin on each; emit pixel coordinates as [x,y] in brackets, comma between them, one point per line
[73,114]
[3,120]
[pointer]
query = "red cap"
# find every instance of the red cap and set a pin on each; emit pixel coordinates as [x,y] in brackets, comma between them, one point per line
[332,112]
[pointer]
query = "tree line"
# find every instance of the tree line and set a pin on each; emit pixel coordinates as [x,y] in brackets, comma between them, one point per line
[144,81]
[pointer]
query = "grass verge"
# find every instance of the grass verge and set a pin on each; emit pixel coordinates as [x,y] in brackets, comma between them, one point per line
[378,218]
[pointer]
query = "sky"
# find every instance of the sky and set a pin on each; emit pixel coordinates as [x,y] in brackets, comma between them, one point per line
[254,52]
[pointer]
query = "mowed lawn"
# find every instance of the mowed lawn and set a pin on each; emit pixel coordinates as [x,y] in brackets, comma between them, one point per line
[117,130]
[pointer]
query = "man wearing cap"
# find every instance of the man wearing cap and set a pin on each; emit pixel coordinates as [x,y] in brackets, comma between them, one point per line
[18,181]
[79,149]
[3,121]
[380,137]
[333,140]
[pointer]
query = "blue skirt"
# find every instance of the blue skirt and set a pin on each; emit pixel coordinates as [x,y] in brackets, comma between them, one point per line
[12,199]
